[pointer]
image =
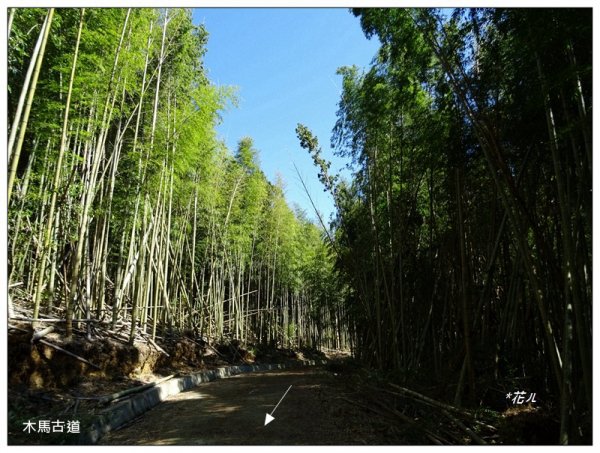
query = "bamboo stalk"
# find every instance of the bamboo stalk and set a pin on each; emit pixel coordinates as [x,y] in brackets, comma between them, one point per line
[151,341]
[464,428]
[428,400]
[30,78]
[75,356]
[42,333]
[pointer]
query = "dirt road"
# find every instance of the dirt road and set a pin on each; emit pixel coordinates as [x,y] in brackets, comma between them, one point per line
[316,411]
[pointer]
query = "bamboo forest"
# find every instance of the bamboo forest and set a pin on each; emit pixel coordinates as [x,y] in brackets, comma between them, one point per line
[447,299]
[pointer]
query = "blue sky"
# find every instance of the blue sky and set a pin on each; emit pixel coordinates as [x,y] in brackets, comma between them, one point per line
[283,62]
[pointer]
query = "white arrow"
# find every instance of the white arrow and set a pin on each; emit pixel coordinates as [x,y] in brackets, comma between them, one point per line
[269,417]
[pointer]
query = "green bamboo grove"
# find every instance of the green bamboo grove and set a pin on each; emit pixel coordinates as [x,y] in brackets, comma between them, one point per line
[461,248]
[465,234]
[124,207]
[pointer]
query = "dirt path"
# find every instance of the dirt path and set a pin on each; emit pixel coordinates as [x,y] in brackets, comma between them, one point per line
[232,412]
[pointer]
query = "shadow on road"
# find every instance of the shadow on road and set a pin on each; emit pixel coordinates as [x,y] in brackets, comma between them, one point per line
[232,412]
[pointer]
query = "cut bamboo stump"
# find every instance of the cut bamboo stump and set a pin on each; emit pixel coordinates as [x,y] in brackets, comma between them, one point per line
[41,333]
